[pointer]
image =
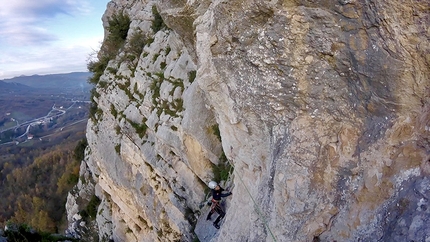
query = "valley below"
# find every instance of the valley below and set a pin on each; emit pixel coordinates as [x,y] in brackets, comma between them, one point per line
[42,122]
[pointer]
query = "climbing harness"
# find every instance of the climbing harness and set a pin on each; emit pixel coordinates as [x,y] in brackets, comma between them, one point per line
[216,204]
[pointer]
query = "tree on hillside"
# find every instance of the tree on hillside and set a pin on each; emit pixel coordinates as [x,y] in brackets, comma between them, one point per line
[36,194]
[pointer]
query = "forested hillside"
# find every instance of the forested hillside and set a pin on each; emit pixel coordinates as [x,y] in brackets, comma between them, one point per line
[35,193]
[40,128]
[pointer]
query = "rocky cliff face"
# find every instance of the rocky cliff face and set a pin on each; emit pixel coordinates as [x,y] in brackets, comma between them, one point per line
[320,108]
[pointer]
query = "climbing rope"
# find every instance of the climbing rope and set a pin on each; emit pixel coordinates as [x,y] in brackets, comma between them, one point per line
[259,211]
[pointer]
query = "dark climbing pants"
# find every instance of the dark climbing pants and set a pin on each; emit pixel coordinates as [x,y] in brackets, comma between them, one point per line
[216,207]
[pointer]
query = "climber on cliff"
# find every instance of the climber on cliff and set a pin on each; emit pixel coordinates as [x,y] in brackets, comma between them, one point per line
[216,202]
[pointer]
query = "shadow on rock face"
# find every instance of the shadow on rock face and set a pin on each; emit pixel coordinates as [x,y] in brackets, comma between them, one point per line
[408,217]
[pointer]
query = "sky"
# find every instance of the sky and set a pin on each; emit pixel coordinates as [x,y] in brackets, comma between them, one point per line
[48,36]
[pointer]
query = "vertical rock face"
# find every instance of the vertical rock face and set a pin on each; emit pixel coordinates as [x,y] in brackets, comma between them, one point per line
[321,107]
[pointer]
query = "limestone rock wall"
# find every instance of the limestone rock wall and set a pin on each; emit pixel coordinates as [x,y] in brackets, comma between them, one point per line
[322,108]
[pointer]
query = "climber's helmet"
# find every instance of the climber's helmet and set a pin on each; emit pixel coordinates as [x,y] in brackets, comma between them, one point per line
[212,184]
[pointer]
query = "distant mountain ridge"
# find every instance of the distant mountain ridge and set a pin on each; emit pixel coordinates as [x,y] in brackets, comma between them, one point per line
[60,81]
[13,87]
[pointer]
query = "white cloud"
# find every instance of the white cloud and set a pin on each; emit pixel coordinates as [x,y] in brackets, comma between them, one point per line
[43,8]
[24,22]
[48,36]
[54,59]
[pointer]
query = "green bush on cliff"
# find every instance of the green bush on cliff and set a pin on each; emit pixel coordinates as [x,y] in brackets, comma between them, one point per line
[216,132]
[192,76]
[118,28]
[134,48]
[90,211]
[158,23]
[119,25]
[222,171]
[92,206]
[79,151]
[140,128]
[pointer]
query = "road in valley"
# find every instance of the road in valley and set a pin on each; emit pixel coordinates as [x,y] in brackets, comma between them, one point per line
[53,113]
[42,119]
